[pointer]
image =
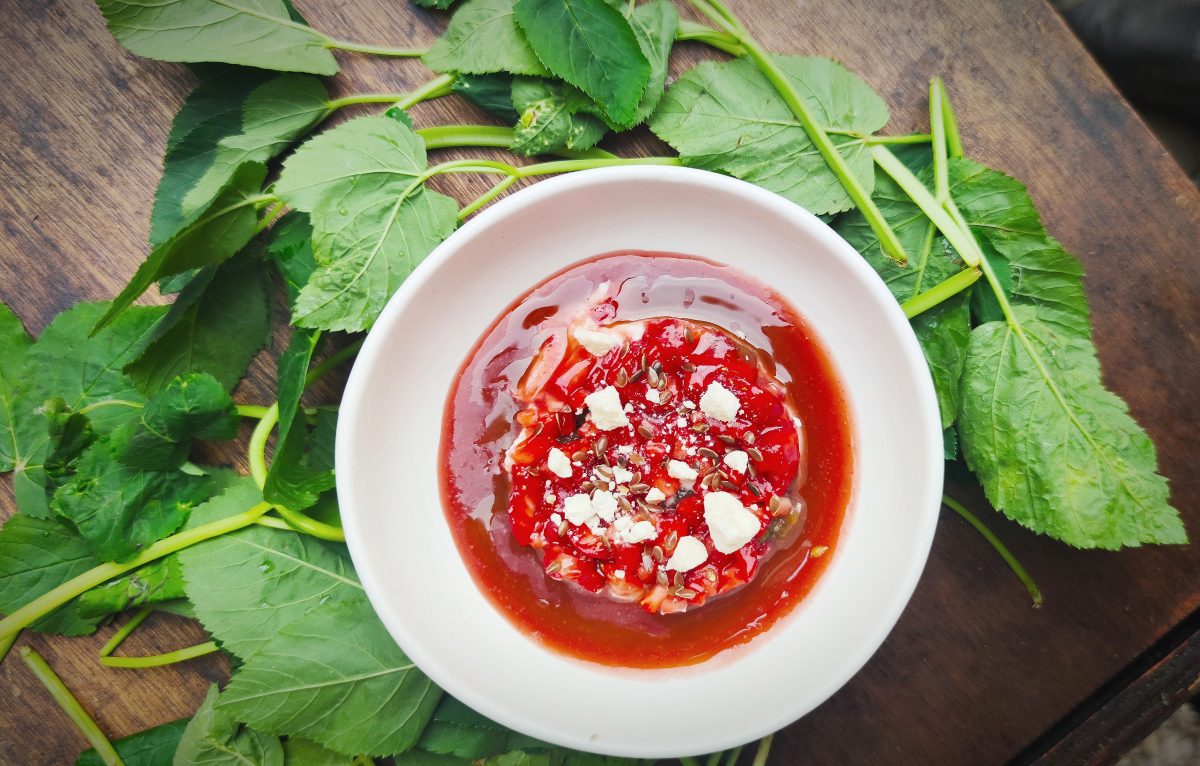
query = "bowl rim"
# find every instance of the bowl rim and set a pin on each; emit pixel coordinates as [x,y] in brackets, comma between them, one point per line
[375,344]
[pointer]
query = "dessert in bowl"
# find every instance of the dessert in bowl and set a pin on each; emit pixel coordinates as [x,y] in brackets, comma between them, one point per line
[635,442]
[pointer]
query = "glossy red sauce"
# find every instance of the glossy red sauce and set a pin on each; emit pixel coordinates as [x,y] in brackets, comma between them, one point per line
[481,424]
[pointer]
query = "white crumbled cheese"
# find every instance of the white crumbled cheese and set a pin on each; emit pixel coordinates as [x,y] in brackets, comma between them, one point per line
[605,406]
[719,403]
[619,574]
[625,449]
[689,404]
[548,497]
[737,460]
[730,524]
[558,463]
[628,407]
[689,554]
[595,525]
[578,509]
[556,518]
[682,422]
[597,342]
[655,496]
[621,476]
[652,396]
[604,504]
[640,532]
[677,469]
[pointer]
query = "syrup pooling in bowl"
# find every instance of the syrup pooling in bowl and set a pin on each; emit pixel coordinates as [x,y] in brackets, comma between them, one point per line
[482,425]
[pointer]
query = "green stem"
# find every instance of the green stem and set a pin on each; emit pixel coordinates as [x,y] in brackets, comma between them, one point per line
[734,755]
[937,127]
[960,238]
[907,138]
[364,98]
[274,523]
[158,660]
[374,50]
[62,695]
[303,523]
[942,291]
[486,197]
[764,749]
[256,451]
[688,760]
[255,411]
[714,38]
[269,217]
[888,240]
[335,359]
[450,136]
[56,597]
[442,85]
[110,403]
[6,644]
[953,139]
[714,759]
[125,631]
[1035,592]
[515,173]
[362,760]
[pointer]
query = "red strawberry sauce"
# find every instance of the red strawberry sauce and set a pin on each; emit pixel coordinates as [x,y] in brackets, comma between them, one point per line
[605,590]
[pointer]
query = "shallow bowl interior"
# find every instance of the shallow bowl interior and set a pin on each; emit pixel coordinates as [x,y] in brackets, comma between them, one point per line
[391,419]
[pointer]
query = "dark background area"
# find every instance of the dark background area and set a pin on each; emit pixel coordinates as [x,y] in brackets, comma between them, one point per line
[1151,49]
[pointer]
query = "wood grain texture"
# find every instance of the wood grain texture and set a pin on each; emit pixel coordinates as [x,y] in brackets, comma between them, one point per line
[971,674]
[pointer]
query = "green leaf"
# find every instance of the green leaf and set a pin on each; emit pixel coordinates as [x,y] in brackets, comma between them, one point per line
[457,730]
[78,372]
[297,477]
[373,220]
[19,428]
[1003,219]
[250,125]
[214,738]
[1054,450]
[483,38]
[590,45]
[119,510]
[152,747]
[491,92]
[729,118]
[192,406]
[291,249]
[216,326]
[36,556]
[248,585]
[547,123]
[304,752]
[215,234]
[440,5]
[654,25]
[944,332]
[86,370]
[258,33]
[353,691]
[154,583]
[950,443]
[212,111]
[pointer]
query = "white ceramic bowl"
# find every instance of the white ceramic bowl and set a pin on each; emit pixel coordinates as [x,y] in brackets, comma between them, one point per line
[390,424]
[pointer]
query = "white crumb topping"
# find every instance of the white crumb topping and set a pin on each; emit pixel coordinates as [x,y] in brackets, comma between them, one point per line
[719,403]
[605,409]
[730,524]
[689,554]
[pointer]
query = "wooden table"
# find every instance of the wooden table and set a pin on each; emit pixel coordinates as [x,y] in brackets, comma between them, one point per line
[971,674]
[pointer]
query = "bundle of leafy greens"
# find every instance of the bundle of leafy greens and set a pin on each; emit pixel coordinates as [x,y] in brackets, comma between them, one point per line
[98,416]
